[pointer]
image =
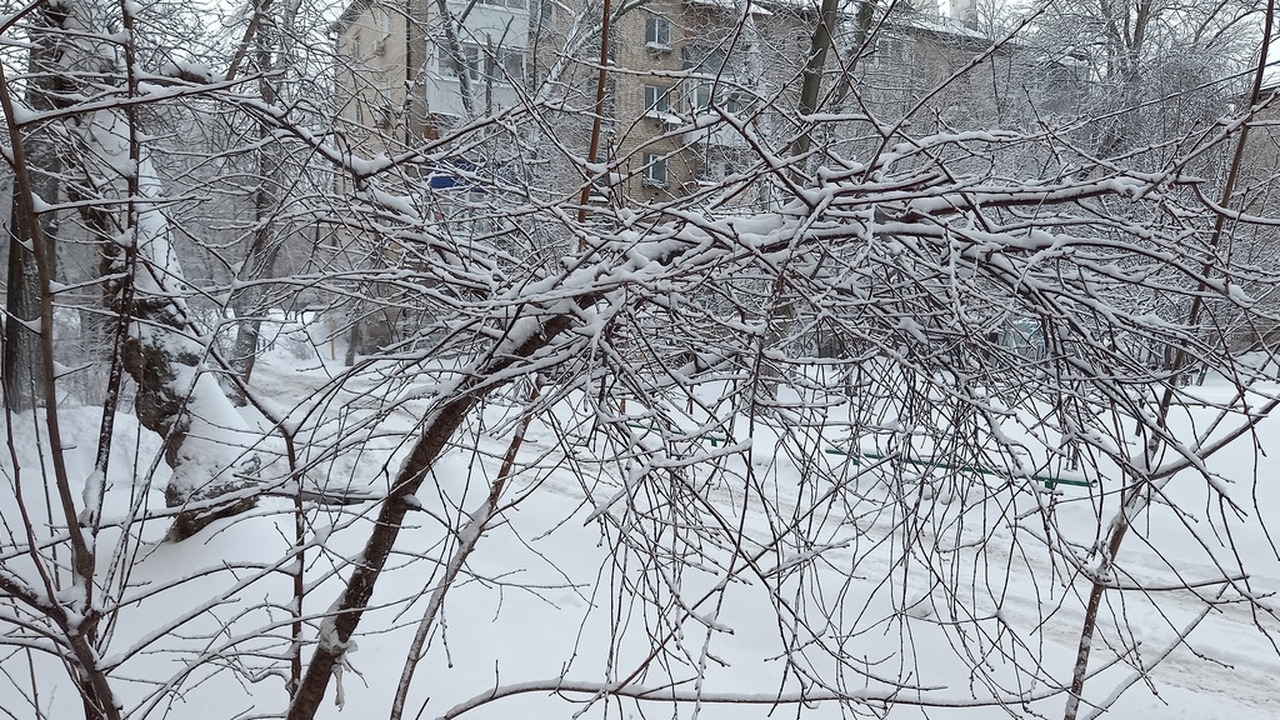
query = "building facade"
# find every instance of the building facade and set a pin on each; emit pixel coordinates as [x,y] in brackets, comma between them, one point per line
[695,87]
[493,103]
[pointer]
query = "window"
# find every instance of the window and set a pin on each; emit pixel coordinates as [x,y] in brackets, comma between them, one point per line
[544,14]
[657,32]
[516,4]
[655,170]
[512,64]
[700,59]
[504,65]
[469,62]
[700,98]
[657,100]
[890,53]
[384,32]
[703,95]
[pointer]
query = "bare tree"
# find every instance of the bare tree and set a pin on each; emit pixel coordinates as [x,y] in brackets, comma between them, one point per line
[812,419]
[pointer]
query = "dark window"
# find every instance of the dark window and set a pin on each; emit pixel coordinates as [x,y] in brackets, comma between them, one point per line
[657,100]
[655,170]
[504,65]
[701,59]
[657,31]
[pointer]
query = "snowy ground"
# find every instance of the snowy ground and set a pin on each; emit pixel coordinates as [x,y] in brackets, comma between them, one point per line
[549,594]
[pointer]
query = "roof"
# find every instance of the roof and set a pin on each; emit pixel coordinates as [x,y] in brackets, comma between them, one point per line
[348,16]
[756,8]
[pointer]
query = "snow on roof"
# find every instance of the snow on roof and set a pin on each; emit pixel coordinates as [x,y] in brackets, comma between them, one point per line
[901,15]
[353,10]
[939,24]
[756,8]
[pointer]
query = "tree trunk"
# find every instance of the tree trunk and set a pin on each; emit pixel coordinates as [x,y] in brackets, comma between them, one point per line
[206,441]
[819,44]
[46,90]
[211,471]
[260,258]
[208,449]
[22,304]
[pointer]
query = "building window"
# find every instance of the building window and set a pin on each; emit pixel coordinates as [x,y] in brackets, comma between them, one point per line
[700,98]
[384,32]
[469,62]
[890,53]
[503,65]
[655,170]
[708,61]
[511,63]
[657,100]
[657,32]
[544,14]
[515,4]
[704,95]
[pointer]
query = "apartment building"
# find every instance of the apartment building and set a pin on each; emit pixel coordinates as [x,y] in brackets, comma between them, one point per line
[698,79]
[405,67]
[694,90]
[378,60]
[692,83]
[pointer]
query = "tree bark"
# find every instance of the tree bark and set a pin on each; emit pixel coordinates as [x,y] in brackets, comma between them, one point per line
[22,305]
[260,257]
[47,89]
[810,87]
